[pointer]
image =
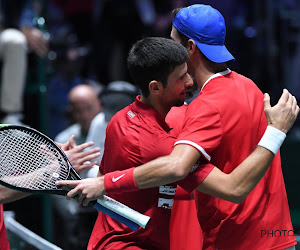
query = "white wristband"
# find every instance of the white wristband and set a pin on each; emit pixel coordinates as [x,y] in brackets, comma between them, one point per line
[272,139]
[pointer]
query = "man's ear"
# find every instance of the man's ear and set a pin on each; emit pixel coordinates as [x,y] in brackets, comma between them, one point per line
[155,87]
[191,46]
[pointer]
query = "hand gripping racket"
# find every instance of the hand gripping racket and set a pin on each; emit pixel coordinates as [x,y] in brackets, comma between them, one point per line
[31,162]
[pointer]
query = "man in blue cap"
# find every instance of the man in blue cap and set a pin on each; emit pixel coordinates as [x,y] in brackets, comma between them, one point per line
[227,114]
[223,125]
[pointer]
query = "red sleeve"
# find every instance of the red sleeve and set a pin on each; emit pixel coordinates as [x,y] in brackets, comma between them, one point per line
[194,179]
[3,235]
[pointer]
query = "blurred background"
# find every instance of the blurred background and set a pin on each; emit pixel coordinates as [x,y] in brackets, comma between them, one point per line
[73,42]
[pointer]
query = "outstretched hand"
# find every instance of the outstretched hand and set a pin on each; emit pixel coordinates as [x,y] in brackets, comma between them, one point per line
[79,157]
[284,114]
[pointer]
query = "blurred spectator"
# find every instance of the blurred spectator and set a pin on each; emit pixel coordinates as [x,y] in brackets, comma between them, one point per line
[13,56]
[84,105]
[75,221]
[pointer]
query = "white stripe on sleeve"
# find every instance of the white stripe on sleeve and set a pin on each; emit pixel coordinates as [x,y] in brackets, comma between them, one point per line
[193,144]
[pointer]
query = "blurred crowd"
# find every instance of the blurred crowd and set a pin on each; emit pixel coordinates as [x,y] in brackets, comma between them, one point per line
[63,62]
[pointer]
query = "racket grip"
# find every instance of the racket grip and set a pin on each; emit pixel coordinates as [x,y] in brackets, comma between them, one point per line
[123,213]
[116,216]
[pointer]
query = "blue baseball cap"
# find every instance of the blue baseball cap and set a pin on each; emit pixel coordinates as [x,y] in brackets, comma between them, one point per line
[206,26]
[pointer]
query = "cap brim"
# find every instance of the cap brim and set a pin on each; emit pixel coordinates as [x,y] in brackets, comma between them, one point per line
[215,53]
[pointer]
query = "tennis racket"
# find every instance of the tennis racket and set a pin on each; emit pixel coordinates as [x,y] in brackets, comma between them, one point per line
[31,162]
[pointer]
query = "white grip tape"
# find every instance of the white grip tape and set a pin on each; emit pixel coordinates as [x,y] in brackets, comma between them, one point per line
[272,139]
[125,211]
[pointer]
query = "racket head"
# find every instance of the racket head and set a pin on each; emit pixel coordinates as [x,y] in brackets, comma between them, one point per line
[31,162]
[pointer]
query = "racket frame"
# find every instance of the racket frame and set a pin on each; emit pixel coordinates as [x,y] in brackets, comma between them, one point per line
[131,222]
[72,174]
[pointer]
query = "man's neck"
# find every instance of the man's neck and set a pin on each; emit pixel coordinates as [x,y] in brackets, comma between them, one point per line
[204,73]
[163,111]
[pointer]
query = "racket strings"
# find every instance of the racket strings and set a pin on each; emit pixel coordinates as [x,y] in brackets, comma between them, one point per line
[39,163]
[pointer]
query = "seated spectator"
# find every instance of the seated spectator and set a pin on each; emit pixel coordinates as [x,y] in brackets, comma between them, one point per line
[84,105]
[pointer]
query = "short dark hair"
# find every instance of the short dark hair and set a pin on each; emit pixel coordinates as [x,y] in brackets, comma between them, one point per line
[183,39]
[154,58]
